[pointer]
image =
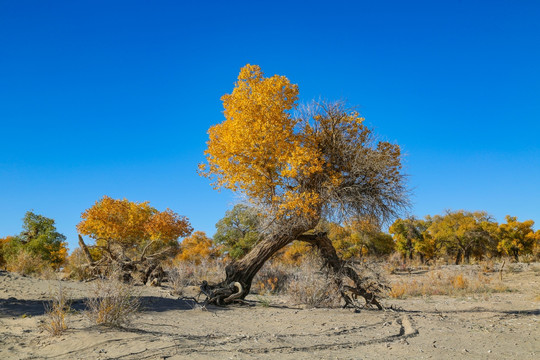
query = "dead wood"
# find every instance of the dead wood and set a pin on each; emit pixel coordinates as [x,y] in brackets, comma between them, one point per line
[147,268]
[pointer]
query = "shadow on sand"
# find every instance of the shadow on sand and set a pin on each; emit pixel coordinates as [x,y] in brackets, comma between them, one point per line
[14,307]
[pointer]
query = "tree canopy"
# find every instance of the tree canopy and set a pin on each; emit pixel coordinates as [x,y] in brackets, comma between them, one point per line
[38,238]
[321,160]
[238,231]
[131,225]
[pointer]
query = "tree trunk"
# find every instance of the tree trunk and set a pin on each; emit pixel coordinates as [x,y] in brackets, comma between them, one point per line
[85,250]
[467,256]
[240,273]
[458,257]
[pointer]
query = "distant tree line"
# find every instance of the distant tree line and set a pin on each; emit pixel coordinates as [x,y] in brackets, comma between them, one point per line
[137,237]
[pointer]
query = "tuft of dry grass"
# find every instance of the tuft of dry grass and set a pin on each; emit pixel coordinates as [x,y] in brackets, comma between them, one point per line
[55,313]
[113,303]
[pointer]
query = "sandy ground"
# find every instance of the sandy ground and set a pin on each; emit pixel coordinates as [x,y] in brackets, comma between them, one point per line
[493,326]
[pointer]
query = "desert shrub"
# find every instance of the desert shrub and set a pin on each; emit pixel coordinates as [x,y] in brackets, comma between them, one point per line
[309,286]
[26,263]
[395,262]
[76,267]
[272,278]
[112,303]
[55,313]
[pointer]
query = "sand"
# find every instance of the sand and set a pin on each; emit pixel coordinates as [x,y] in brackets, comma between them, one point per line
[486,326]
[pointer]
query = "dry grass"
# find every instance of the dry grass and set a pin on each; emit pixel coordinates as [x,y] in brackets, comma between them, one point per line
[55,313]
[309,286]
[112,303]
[445,282]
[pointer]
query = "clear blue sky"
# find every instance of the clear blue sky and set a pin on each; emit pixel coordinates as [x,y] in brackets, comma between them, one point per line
[115,97]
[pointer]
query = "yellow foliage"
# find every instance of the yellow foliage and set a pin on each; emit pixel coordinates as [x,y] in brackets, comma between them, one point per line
[256,149]
[295,252]
[516,237]
[196,248]
[130,224]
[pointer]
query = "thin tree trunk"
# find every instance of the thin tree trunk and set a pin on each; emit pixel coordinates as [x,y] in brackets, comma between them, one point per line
[458,257]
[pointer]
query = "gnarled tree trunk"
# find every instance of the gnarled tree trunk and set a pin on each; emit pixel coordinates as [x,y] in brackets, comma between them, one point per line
[240,274]
[244,270]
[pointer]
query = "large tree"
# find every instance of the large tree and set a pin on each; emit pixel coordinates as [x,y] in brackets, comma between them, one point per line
[462,233]
[40,238]
[411,237]
[297,167]
[517,238]
[131,236]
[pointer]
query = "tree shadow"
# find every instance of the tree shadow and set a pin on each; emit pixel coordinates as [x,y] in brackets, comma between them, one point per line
[13,307]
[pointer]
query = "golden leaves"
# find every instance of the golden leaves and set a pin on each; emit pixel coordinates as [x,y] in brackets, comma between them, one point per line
[256,150]
[196,248]
[130,224]
[296,165]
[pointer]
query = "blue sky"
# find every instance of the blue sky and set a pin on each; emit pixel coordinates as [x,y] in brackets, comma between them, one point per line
[115,97]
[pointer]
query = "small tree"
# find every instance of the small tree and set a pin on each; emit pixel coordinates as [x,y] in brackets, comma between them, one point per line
[517,238]
[411,237]
[132,236]
[297,170]
[238,231]
[38,240]
[461,233]
[40,237]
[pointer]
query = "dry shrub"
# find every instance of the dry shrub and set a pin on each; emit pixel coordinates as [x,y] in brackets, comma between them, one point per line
[309,286]
[113,303]
[76,266]
[25,263]
[181,274]
[55,313]
[487,265]
[445,282]
[272,278]
[395,263]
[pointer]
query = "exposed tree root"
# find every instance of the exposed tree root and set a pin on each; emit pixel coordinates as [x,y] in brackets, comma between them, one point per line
[222,295]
